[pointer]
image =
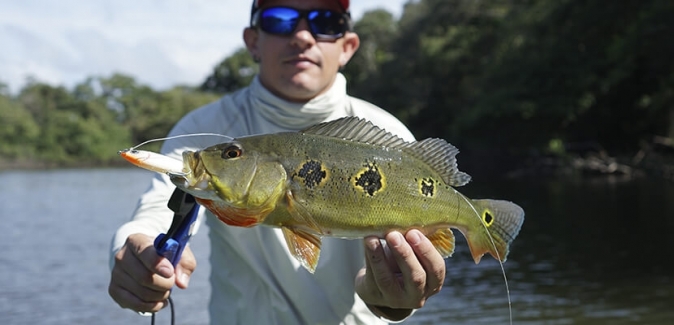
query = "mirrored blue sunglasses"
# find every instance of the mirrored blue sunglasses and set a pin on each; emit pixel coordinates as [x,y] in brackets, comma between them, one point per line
[323,24]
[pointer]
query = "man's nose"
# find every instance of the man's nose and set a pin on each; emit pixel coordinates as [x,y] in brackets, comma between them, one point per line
[302,36]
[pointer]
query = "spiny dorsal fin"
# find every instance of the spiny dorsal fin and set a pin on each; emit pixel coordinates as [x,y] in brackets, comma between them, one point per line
[437,153]
[441,156]
[356,129]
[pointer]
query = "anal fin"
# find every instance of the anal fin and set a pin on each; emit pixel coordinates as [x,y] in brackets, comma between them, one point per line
[304,246]
[443,240]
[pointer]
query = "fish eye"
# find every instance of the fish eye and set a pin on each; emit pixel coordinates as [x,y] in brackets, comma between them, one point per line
[231,152]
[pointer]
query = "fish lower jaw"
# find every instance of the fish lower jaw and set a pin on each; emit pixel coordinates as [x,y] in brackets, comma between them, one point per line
[200,185]
[192,185]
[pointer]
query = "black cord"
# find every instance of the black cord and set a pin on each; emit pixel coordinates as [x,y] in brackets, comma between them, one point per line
[173,313]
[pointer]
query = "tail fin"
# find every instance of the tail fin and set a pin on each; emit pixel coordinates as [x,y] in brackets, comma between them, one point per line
[502,220]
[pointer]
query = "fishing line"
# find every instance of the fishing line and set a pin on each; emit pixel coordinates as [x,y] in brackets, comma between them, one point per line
[498,256]
[181,136]
[173,313]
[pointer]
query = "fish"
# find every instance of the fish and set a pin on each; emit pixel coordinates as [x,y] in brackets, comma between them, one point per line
[347,179]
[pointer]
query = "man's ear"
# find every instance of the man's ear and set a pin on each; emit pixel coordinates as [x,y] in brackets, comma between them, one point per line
[350,43]
[250,37]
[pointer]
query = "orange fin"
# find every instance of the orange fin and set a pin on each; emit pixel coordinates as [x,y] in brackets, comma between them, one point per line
[232,216]
[305,247]
[478,251]
[443,240]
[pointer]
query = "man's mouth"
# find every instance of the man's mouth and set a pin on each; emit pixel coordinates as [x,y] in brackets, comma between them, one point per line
[301,60]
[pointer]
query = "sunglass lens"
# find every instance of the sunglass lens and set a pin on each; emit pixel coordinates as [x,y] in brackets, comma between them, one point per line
[279,20]
[325,23]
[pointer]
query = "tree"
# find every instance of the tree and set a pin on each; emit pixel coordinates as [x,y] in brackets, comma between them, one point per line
[234,72]
[377,29]
[18,130]
[499,74]
[72,130]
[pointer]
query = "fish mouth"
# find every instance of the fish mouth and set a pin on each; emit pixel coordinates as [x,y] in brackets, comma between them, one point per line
[196,179]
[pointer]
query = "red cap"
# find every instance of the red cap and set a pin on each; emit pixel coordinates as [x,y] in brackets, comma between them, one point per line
[343,3]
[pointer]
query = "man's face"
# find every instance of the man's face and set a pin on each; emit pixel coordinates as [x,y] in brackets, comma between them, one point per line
[298,67]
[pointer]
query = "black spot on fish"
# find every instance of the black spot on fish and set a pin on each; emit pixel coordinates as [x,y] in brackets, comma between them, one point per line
[427,187]
[488,218]
[312,172]
[370,180]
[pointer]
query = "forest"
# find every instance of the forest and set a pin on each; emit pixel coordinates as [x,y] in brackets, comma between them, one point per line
[515,85]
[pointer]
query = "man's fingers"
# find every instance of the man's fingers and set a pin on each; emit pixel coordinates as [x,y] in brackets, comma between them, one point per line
[140,279]
[136,266]
[379,269]
[402,274]
[142,246]
[413,274]
[433,263]
[126,299]
[144,290]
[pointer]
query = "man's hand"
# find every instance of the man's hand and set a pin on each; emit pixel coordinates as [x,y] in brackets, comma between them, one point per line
[394,283]
[142,280]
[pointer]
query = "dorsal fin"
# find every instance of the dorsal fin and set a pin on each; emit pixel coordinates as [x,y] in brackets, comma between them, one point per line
[356,129]
[437,153]
[441,156]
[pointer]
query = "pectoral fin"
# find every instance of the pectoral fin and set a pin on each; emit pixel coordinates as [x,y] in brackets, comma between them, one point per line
[300,214]
[305,247]
[443,240]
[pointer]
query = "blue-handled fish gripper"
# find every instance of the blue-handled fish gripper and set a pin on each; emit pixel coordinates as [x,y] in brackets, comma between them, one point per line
[173,242]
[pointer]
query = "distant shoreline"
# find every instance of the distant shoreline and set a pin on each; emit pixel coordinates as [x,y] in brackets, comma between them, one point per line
[6,165]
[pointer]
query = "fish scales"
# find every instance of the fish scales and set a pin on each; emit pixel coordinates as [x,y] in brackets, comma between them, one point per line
[361,189]
[348,179]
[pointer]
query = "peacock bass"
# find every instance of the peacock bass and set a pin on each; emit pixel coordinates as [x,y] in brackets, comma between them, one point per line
[348,179]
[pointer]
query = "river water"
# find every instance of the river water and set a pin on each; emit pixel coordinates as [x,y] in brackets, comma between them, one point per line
[591,251]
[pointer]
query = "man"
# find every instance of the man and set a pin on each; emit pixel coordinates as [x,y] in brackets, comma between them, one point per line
[300,46]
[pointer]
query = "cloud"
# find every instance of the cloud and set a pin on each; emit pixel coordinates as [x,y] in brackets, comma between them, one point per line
[159,42]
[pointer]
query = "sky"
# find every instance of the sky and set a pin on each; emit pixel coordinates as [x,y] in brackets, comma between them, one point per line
[161,43]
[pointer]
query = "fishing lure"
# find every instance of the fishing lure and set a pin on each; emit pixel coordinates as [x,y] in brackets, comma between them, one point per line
[157,162]
[153,161]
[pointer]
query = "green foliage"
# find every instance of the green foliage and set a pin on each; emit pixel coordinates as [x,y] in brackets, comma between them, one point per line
[500,74]
[566,73]
[377,30]
[70,129]
[91,123]
[18,131]
[531,75]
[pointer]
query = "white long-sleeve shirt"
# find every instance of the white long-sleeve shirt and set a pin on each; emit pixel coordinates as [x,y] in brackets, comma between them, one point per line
[254,278]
